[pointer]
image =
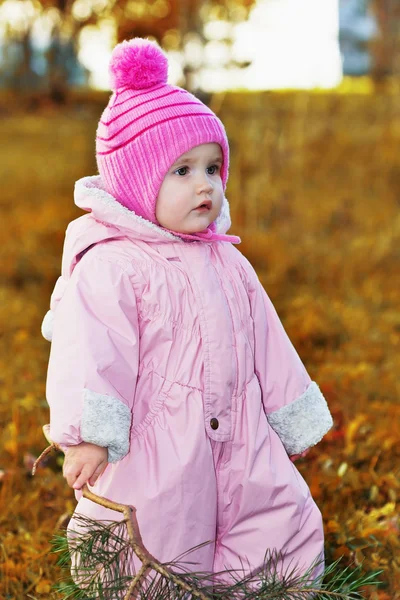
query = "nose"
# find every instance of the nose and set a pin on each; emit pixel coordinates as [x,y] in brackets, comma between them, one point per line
[204,185]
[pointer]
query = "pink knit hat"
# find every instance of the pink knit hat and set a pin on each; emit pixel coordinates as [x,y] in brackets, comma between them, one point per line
[147,125]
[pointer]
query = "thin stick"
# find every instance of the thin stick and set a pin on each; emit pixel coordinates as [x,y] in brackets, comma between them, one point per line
[136,542]
[135,581]
[45,452]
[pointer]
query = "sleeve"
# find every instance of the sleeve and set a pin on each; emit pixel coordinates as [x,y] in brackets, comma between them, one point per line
[94,357]
[294,405]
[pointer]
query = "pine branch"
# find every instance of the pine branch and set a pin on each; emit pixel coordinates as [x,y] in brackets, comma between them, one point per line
[102,567]
[105,551]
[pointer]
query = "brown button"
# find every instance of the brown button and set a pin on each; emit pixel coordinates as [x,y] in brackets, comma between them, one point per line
[214,423]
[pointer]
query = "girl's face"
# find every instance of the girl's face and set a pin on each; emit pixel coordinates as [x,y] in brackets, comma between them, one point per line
[191,195]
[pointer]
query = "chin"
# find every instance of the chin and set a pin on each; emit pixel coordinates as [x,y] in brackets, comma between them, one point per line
[195,229]
[199,229]
[190,231]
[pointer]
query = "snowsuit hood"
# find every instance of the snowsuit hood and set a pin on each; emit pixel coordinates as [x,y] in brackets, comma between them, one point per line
[108,219]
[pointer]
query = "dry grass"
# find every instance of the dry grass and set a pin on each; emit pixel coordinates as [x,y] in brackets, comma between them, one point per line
[314,190]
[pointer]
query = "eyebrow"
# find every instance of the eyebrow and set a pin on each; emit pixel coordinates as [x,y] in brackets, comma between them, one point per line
[184,159]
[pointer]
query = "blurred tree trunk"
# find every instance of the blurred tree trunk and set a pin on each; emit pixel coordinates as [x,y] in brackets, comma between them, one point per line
[189,22]
[386,48]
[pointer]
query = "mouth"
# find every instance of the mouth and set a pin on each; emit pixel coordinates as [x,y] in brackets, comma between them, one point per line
[204,206]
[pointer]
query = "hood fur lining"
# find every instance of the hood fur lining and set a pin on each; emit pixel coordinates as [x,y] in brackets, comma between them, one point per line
[93,186]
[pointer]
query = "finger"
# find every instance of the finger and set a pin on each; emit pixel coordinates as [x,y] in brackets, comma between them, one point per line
[71,472]
[83,477]
[70,464]
[71,478]
[98,471]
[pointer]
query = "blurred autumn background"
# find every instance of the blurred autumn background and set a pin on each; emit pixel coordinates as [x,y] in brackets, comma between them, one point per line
[309,93]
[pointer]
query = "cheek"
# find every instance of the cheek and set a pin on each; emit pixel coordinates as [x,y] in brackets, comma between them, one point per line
[163,200]
[159,207]
[220,194]
[168,207]
[218,185]
[162,210]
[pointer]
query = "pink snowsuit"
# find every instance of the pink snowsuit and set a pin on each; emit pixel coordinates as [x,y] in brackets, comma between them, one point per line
[170,354]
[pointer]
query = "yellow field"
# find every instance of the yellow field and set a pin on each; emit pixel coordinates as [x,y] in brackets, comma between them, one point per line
[315,195]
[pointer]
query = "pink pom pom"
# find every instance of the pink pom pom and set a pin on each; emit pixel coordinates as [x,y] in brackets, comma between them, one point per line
[137,64]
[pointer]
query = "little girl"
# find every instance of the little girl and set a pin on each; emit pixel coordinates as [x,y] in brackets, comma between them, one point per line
[172,384]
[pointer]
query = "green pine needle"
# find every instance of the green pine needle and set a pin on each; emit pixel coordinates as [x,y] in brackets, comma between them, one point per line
[104,570]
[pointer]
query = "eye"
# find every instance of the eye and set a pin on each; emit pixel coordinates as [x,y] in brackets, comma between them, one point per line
[213,169]
[181,171]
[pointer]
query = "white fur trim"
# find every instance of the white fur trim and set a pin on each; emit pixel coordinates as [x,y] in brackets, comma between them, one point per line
[304,422]
[223,221]
[106,421]
[93,186]
[47,326]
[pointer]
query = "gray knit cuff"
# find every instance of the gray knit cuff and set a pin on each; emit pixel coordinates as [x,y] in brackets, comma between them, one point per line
[106,421]
[304,422]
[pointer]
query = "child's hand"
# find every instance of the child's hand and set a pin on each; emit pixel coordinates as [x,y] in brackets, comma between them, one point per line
[84,463]
[296,456]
